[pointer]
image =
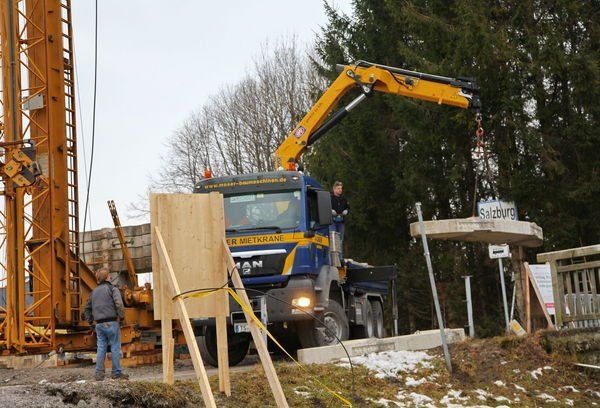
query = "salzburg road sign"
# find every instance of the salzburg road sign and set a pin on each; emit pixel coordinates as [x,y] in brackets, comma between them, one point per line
[497,210]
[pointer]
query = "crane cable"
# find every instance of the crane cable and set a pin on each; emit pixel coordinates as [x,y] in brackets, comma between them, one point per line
[481,152]
[87,194]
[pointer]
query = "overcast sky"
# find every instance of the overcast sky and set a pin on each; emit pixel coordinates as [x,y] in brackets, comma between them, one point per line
[157,62]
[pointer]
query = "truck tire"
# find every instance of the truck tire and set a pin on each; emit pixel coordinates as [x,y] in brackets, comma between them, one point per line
[237,344]
[378,327]
[368,329]
[335,320]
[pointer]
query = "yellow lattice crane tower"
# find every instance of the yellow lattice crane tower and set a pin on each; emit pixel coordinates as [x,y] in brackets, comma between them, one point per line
[44,281]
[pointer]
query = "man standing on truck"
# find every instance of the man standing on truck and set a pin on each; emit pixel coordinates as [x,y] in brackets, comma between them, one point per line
[339,210]
[105,308]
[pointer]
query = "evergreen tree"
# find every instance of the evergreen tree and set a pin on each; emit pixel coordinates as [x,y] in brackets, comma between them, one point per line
[538,68]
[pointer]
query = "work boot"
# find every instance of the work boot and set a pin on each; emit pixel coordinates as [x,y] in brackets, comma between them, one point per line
[121,376]
[99,376]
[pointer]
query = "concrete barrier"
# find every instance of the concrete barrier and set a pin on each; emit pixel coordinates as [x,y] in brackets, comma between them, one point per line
[417,341]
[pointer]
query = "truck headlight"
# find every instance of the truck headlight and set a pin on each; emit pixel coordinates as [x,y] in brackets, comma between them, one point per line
[302,302]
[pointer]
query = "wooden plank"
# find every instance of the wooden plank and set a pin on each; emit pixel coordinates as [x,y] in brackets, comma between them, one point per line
[166,330]
[586,292]
[192,240]
[259,341]
[578,266]
[559,294]
[569,253]
[527,296]
[571,300]
[171,363]
[594,291]
[184,318]
[222,298]
[538,295]
[578,297]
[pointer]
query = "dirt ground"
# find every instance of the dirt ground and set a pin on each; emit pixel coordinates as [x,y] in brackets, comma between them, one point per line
[498,372]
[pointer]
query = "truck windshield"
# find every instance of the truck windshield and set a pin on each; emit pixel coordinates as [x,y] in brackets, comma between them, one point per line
[277,210]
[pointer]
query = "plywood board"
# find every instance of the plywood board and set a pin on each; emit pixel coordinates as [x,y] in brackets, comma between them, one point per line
[193,229]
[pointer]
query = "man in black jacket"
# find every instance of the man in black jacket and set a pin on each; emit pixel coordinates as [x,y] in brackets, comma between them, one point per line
[105,308]
[339,210]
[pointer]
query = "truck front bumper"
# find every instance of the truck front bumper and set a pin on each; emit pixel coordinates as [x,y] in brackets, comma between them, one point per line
[273,305]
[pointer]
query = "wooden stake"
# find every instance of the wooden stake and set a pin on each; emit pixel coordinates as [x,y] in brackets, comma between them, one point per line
[259,341]
[166,330]
[221,297]
[188,331]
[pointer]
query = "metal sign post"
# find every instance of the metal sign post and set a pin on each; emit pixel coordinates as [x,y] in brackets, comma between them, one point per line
[436,301]
[469,305]
[499,252]
[501,267]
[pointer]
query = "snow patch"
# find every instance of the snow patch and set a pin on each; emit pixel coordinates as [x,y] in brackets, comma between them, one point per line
[385,402]
[546,397]
[518,387]
[421,400]
[411,382]
[535,374]
[569,388]
[569,402]
[391,363]
[593,393]
[301,391]
[499,383]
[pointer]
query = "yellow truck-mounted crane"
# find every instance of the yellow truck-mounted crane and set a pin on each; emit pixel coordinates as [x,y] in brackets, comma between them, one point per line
[277,226]
[369,78]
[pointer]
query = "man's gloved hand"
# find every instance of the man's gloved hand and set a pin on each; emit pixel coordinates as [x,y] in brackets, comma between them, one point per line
[333,213]
[345,212]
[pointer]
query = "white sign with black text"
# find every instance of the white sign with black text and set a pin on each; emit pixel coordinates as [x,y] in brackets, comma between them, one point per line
[499,251]
[543,279]
[497,210]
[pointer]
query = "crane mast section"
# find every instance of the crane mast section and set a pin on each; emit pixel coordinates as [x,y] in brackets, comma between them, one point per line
[436,89]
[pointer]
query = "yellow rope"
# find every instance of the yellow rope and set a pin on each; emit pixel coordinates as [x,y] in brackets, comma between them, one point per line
[249,312]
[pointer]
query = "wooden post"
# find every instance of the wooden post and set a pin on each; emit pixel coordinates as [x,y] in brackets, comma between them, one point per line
[221,297]
[166,326]
[259,341]
[188,331]
[527,293]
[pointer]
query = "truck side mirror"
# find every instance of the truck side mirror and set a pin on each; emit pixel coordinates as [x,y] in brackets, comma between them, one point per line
[324,208]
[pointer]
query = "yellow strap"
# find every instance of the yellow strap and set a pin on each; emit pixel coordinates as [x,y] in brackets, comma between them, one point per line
[248,310]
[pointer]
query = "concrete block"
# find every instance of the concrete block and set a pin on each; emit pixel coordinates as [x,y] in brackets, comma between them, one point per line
[418,341]
[476,229]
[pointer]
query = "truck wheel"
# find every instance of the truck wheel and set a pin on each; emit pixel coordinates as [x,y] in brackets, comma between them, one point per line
[336,322]
[237,344]
[368,329]
[378,327]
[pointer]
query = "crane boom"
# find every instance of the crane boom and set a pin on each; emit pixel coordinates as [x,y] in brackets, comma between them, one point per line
[369,78]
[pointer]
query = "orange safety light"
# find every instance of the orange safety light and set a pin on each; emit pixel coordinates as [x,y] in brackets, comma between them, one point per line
[291,165]
[208,173]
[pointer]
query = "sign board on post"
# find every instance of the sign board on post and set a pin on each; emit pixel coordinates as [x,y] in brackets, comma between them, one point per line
[499,251]
[497,210]
[542,276]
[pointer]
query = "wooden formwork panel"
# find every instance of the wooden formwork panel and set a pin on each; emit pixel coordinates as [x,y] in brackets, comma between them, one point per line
[192,226]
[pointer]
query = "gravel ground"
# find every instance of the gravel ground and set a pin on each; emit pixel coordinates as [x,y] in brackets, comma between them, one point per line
[75,386]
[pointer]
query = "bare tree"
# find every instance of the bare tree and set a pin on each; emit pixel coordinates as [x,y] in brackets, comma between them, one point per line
[240,127]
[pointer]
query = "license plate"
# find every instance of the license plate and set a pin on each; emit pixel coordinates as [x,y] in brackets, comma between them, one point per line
[241,328]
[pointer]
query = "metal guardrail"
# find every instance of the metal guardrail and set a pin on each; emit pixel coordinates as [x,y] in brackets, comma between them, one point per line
[576,285]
